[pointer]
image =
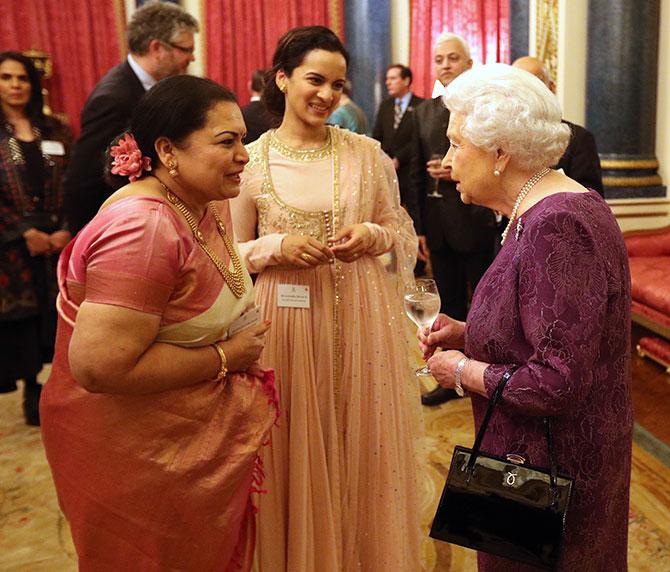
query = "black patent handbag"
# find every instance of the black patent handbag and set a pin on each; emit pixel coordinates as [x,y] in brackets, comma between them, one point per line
[502,506]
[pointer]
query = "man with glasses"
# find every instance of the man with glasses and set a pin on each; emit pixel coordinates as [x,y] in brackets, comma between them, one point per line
[160,40]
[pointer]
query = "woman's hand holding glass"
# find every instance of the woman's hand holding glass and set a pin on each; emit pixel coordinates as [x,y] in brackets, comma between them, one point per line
[445,333]
[304,251]
[351,242]
[422,305]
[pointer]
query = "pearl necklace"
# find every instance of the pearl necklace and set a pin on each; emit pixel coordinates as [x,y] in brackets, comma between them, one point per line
[530,183]
[234,279]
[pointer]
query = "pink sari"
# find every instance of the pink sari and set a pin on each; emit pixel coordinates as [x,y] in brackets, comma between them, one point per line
[161,481]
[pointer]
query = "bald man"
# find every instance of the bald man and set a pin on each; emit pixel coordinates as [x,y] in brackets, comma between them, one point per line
[458,238]
[580,160]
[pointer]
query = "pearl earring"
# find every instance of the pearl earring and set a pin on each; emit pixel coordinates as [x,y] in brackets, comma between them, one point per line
[496,173]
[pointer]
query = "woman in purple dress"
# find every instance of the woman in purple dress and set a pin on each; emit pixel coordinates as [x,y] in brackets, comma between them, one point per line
[555,303]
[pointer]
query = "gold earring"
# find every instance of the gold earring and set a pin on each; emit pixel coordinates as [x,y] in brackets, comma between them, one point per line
[283,88]
[172,169]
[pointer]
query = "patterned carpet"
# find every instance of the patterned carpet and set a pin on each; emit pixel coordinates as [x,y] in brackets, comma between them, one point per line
[35,538]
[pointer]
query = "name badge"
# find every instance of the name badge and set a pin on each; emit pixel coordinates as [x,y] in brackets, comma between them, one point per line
[292,296]
[249,318]
[55,148]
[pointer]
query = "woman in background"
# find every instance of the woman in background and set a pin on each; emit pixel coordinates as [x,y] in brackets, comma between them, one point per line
[317,205]
[33,152]
[348,114]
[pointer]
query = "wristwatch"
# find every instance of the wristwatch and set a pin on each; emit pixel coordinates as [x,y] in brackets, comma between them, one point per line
[457,376]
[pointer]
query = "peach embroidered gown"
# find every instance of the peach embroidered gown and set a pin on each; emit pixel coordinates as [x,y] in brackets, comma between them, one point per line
[341,468]
[161,481]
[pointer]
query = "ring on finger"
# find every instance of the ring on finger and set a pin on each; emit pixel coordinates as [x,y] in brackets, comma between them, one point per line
[306,257]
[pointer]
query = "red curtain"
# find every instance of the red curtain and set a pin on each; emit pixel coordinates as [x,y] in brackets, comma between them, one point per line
[83,38]
[484,24]
[241,35]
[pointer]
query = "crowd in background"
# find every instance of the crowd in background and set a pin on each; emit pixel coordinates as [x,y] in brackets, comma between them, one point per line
[171,366]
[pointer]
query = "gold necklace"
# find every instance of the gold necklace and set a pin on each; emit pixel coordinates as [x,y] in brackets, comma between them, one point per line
[234,279]
[289,152]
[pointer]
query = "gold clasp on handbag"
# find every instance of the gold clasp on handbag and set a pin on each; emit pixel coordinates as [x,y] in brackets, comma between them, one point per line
[516,459]
[510,479]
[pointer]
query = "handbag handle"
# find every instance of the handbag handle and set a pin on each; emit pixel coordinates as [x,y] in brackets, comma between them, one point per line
[553,468]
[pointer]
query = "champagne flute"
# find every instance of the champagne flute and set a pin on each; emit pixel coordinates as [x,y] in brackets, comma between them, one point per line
[436,182]
[422,305]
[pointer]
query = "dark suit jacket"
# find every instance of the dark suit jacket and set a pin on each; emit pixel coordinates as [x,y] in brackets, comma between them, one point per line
[106,114]
[445,221]
[397,142]
[580,160]
[258,120]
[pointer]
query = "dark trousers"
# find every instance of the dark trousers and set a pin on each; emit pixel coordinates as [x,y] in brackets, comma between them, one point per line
[457,275]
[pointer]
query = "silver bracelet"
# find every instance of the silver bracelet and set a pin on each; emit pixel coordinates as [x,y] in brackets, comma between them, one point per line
[458,385]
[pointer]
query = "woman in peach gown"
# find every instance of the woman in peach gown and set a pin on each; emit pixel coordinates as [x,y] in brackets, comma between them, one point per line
[316,208]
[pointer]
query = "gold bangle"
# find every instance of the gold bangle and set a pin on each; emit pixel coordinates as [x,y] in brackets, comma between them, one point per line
[223,367]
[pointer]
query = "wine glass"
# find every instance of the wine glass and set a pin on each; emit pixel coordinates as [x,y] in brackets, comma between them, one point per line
[436,182]
[422,305]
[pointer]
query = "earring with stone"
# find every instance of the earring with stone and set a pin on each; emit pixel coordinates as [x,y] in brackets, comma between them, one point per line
[172,169]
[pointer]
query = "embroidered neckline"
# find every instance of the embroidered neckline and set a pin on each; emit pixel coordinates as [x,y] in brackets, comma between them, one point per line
[289,152]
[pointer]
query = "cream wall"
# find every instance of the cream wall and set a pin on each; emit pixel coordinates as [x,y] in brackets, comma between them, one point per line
[400,21]
[572,57]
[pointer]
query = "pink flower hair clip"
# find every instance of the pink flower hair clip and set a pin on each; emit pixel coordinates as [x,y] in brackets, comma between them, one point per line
[128,160]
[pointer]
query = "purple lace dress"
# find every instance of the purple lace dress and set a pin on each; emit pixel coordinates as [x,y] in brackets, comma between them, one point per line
[556,302]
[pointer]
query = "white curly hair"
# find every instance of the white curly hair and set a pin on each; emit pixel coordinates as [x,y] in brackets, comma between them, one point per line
[449,36]
[509,109]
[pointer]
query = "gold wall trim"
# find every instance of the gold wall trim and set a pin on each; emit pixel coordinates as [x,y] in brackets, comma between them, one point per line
[632,181]
[647,214]
[650,324]
[629,164]
[335,19]
[120,17]
[546,35]
[203,37]
[624,203]
[653,357]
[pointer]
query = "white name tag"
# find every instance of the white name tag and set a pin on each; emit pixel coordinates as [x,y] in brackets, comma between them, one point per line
[53,148]
[292,296]
[249,318]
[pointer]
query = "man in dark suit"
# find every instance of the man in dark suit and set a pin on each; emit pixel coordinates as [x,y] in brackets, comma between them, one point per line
[580,160]
[256,117]
[393,126]
[459,238]
[160,44]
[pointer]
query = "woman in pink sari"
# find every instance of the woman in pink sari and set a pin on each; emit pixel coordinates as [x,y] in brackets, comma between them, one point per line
[155,411]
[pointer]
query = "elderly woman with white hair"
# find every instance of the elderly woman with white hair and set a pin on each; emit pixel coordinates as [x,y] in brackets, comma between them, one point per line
[555,305]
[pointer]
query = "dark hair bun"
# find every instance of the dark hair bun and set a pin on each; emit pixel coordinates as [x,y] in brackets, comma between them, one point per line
[174,108]
[291,50]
